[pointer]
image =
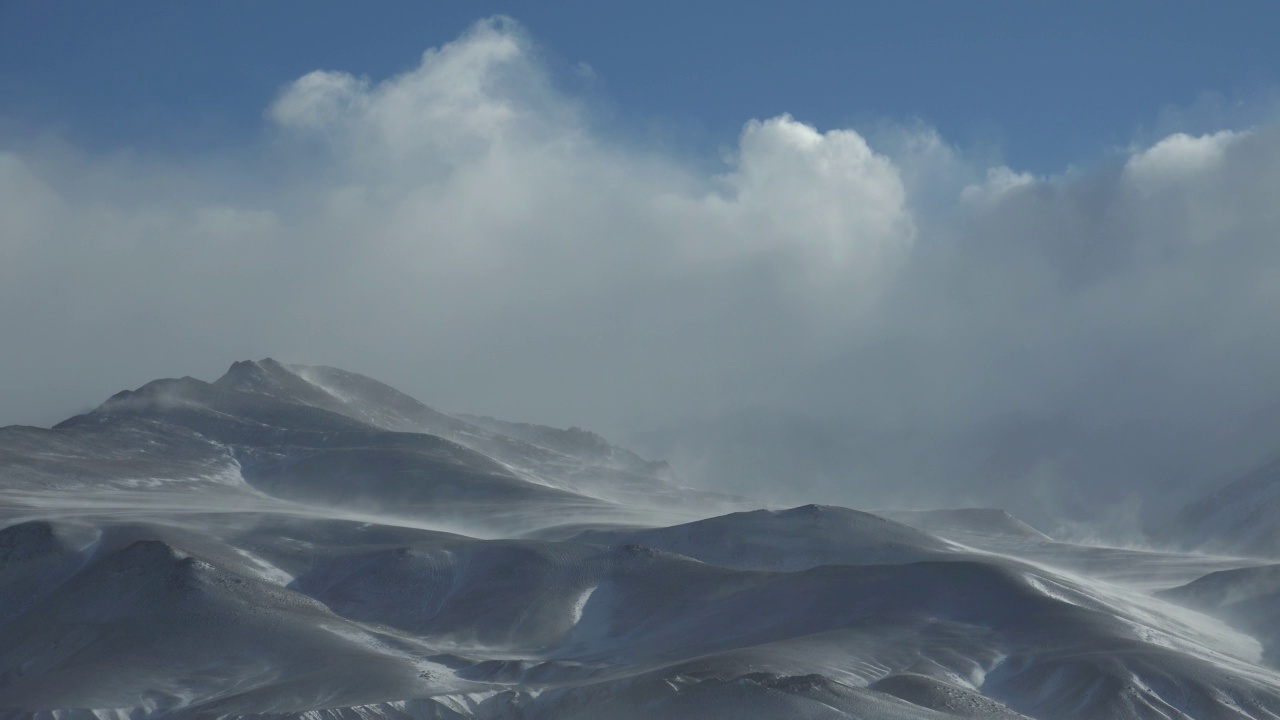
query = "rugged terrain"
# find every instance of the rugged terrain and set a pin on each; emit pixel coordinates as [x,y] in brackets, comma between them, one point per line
[294,541]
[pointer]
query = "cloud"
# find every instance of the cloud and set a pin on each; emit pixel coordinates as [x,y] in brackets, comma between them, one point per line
[468,231]
[1178,156]
[998,182]
[826,196]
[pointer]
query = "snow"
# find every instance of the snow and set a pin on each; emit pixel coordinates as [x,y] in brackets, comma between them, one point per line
[266,571]
[293,542]
[581,602]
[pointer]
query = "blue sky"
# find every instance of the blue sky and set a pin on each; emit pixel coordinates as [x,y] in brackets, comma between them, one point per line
[1043,85]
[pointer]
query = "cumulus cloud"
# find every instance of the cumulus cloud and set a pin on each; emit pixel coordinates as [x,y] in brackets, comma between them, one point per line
[998,182]
[1178,156]
[469,232]
[826,196]
[467,220]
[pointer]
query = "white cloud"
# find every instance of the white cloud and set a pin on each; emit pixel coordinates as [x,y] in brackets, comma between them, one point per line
[828,193]
[825,212]
[1179,156]
[469,97]
[467,214]
[998,182]
[466,231]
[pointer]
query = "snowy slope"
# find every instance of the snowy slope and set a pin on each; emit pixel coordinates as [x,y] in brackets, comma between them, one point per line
[1247,598]
[292,542]
[795,539]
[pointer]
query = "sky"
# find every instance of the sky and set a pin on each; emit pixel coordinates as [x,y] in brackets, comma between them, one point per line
[1041,86]
[909,214]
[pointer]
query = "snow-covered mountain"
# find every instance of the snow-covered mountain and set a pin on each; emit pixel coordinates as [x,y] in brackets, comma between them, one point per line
[1248,598]
[292,541]
[1242,518]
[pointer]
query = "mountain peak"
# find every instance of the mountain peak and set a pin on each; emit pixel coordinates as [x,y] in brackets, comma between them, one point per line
[252,371]
[271,377]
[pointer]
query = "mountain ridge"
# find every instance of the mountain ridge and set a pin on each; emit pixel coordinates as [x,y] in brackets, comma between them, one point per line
[301,542]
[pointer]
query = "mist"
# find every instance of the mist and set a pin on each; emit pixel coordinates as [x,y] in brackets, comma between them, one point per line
[478,236]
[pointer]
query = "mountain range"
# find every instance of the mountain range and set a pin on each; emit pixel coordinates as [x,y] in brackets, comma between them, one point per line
[304,542]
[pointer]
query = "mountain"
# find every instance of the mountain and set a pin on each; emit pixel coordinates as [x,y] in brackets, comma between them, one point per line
[304,542]
[1050,471]
[795,539]
[1247,598]
[972,524]
[1241,518]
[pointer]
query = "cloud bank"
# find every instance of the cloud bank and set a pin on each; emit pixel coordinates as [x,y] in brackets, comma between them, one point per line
[469,232]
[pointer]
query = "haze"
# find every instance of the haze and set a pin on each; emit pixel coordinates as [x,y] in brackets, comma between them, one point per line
[481,231]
